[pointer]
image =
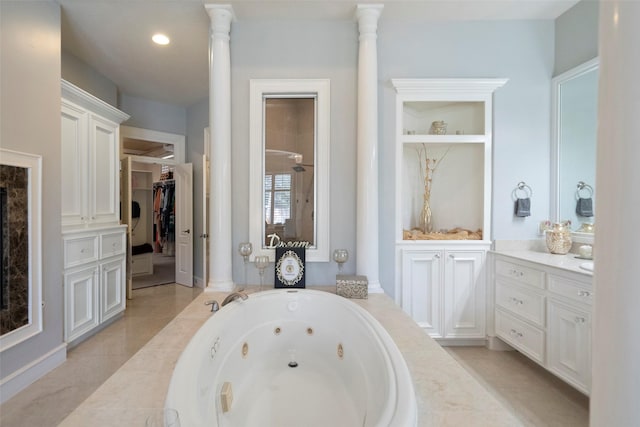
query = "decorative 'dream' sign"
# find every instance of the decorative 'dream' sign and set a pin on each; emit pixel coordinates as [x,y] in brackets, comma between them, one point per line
[276,242]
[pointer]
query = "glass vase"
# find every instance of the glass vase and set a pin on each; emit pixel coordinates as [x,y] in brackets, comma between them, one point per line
[425,224]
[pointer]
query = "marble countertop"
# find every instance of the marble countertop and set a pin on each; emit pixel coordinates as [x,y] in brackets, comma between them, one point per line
[567,262]
[446,393]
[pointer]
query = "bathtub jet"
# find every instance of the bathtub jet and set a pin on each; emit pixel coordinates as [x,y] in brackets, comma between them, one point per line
[349,371]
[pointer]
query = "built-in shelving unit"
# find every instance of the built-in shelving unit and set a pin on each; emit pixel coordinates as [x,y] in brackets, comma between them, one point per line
[94,242]
[439,271]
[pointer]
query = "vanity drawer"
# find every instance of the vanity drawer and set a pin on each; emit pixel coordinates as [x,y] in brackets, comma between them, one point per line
[529,305]
[572,289]
[80,250]
[526,338]
[520,273]
[112,244]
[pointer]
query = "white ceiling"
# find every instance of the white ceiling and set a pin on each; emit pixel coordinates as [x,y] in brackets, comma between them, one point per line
[114,36]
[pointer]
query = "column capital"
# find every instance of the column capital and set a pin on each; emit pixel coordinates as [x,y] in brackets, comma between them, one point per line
[367,16]
[221,16]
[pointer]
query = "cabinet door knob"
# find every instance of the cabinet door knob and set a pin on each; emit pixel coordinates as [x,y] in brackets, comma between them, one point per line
[187,231]
[452,256]
[436,256]
[580,319]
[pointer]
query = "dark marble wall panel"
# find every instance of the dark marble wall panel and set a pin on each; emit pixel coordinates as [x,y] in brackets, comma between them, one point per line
[14,283]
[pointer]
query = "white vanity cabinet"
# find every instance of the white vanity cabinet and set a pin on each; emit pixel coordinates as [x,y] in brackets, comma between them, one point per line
[545,312]
[94,278]
[569,330]
[94,242]
[443,290]
[90,159]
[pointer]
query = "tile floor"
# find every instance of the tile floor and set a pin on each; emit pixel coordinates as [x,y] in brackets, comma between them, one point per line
[534,396]
[49,400]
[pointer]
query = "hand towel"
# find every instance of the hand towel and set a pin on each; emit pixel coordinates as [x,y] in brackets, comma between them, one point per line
[523,207]
[584,207]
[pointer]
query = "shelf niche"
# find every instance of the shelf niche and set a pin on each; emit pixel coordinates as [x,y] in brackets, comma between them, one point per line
[461,183]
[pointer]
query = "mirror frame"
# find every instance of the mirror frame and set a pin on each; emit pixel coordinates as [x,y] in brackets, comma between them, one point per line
[33,163]
[259,88]
[556,92]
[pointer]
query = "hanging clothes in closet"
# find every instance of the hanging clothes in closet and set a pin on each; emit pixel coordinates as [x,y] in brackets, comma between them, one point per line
[164,215]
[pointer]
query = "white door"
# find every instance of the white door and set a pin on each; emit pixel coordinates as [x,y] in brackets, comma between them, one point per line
[125,201]
[206,173]
[112,301]
[422,289]
[569,343]
[183,175]
[464,295]
[205,217]
[103,178]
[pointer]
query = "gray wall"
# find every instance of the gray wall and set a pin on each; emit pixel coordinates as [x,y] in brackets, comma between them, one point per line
[82,75]
[154,115]
[576,36]
[30,122]
[297,50]
[521,51]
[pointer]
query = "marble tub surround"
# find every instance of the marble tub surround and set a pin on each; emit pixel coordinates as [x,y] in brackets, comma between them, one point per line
[447,394]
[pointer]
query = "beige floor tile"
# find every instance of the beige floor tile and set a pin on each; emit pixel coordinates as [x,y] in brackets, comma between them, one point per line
[535,396]
[90,363]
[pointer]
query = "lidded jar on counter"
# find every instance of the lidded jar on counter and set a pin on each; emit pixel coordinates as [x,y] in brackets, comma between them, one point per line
[558,238]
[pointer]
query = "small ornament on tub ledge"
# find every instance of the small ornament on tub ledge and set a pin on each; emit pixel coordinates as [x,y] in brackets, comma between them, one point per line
[352,286]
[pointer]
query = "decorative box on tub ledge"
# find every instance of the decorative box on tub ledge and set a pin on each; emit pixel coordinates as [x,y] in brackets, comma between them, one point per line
[352,286]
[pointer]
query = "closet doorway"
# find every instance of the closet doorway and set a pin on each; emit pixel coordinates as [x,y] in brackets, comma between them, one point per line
[156,195]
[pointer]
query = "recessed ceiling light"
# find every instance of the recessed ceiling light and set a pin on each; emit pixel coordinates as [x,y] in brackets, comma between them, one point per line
[160,39]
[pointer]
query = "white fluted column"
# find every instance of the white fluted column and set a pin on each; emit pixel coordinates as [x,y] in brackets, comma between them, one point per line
[616,347]
[367,147]
[220,266]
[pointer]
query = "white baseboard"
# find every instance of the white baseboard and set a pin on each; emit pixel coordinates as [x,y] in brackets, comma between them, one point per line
[462,342]
[198,282]
[496,344]
[375,288]
[30,373]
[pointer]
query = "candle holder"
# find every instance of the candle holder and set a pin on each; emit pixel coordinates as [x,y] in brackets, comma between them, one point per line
[245,249]
[261,262]
[340,256]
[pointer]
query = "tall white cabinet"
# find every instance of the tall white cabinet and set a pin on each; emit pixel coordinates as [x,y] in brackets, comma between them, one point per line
[93,239]
[440,282]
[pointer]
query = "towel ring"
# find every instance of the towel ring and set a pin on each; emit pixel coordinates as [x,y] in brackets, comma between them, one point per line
[526,190]
[584,187]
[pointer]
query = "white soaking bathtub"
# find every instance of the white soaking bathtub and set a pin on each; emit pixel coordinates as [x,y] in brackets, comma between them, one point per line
[292,358]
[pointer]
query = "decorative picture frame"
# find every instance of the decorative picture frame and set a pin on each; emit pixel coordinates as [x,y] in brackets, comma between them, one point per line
[290,268]
[21,176]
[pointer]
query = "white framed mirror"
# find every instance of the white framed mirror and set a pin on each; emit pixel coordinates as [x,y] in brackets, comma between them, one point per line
[573,156]
[289,165]
[21,243]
